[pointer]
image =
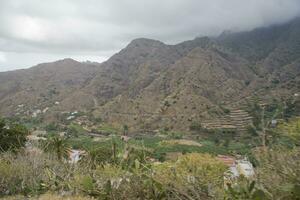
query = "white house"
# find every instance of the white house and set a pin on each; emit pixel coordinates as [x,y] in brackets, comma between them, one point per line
[245,168]
[75,155]
[237,168]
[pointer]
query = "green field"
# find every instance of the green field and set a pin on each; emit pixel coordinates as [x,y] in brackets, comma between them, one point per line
[160,150]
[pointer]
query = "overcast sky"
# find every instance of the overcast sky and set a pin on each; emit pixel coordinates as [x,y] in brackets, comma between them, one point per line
[35,31]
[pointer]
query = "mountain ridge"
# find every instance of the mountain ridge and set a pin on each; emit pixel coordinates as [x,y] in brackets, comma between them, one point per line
[153,85]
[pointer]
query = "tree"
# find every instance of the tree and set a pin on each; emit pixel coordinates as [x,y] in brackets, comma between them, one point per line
[59,146]
[262,115]
[12,137]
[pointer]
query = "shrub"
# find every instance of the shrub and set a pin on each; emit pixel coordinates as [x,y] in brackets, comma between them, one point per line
[12,137]
[245,190]
[200,176]
[291,130]
[278,172]
[27,173]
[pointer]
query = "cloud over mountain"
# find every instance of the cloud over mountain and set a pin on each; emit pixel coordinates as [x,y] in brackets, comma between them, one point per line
[33,30]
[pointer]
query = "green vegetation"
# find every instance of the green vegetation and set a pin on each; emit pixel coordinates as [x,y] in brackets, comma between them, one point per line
[291,130]
[159,149]
[110,167]
[90,143]
[279,172]
[113,181]
[107,130]
[195,126]
[192,176]
[74,130]
[52,127]
[12,136]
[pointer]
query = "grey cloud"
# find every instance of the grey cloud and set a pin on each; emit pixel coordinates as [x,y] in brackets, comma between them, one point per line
[33,29]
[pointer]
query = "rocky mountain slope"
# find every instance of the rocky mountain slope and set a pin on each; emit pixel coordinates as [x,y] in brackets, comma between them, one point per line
[152,85]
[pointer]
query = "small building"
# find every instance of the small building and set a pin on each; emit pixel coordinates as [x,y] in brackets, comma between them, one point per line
[245,168]
[71,117]
[227,160]
[74,113]
[75,155]
[237,168]
[273,123]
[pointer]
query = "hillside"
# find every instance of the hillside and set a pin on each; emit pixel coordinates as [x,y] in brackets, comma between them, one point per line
[151,85]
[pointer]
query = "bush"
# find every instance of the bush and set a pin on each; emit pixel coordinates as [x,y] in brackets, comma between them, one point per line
[12,136]
[29,173]
[291,130]
[198,175]
[279,172]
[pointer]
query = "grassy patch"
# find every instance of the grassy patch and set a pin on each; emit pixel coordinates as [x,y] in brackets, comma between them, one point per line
[149,142]
[108,129]
[88,143]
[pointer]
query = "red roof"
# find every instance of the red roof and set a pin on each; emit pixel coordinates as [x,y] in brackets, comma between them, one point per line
[227,160]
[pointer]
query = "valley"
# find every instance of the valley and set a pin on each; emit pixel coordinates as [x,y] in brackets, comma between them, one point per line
[210,118]
[155,85]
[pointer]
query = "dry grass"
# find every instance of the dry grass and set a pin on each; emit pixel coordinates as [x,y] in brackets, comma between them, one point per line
[48,197]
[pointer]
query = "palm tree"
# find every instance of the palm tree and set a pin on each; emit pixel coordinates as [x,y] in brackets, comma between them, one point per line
[263,122]
[59,146]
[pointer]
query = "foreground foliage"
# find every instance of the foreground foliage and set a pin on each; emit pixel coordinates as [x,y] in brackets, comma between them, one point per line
[12,136]
[114,169]
[192,176]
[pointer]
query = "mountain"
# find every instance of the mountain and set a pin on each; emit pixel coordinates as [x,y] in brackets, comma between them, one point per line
[152,85]
[43,85]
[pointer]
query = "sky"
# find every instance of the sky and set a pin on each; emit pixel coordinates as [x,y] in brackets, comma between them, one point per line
[37,31]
